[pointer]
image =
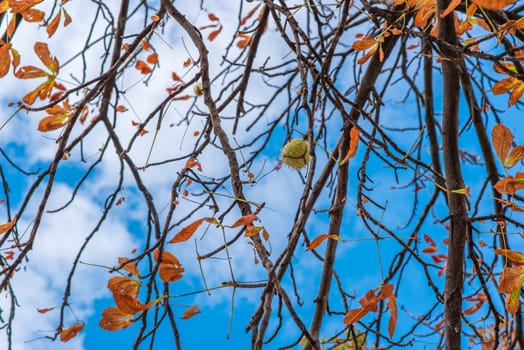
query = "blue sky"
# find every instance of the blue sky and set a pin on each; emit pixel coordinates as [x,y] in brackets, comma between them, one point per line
[40,284]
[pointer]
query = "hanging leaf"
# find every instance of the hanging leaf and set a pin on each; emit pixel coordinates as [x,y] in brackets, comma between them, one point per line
[493,4]
[515,156]
[152,58]
[515,257]
[510,184]
[52,26]
[127,304]
[250,14]
[189,230]
[353,145]
[253,230]
[7,226]
[114,319]
[143,67]
[71,332]
[45,310]
[129,267]
[355,315]
[502,139]
[214,33]
[244,41]
[192,311]
[393,314]
[318,240]
[244,220]
[124,285]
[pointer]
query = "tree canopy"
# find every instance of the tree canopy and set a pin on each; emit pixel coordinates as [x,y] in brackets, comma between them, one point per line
[346,171]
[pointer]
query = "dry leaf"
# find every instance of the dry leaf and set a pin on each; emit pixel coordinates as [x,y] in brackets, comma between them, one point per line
[192,311]
[318,240]
[71,332]
[189,230]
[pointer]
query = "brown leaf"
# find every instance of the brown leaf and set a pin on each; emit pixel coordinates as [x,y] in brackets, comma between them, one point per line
[192,311]
[319,239]
[502,138]
[71,332]
[189,230]
[253,230]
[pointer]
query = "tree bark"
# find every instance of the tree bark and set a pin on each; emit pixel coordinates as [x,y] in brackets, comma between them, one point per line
[458,215]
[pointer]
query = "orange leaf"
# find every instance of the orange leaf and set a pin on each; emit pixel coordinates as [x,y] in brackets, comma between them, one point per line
[353,145]
[42,51]
[511,279]
[212,17]
[364,43]
[51,123]
[249,14]
[516,257]
[516,155]
[124,285]
[143,67]
[114,319]
[214,33]
[393,314]
[472,309]
[502,138]
[30,72]
[369,301]
[45,310]
[244,220]
[152,58]
[493,4]
[252,230]
[510,184]
[67,18]
[192,163]
[53,25]
[170,272]
[355,315]
[7,226]
[189,230]
[192,311]
[318,240]
[516,94]
[71,332]
[187,62]
[386,291]
[244,41]
[129,267]
[452,5]
[128,304]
